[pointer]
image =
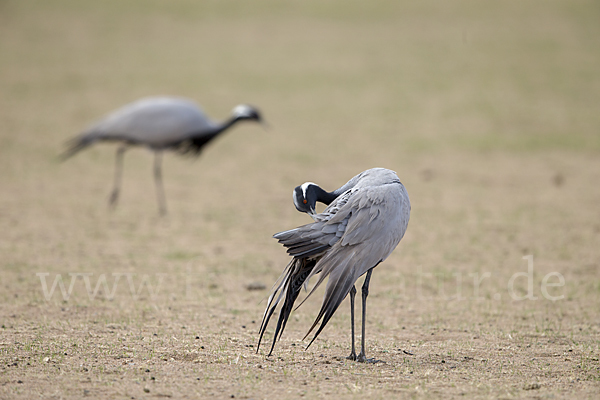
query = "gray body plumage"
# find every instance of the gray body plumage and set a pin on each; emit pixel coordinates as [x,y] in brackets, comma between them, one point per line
[159,123]
[358,230]
[156,122]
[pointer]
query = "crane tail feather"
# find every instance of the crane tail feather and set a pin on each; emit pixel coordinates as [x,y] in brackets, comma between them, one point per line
[295,276]
[74,146]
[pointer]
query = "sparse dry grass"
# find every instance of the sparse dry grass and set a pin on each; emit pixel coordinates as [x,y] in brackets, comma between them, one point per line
[488,112]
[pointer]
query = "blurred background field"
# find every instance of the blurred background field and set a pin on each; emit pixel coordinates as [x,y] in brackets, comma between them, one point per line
[488,112]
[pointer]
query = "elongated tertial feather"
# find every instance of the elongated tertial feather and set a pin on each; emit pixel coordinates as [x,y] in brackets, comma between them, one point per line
[74,146]
[288,289]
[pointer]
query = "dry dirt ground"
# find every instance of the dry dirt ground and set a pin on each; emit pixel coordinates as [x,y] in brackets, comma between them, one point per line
[487,111]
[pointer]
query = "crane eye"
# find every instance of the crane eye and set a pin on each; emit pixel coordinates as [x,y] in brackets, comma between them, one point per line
[305,201]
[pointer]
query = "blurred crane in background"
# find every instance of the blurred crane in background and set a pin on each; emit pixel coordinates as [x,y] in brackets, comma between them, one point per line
[159,123]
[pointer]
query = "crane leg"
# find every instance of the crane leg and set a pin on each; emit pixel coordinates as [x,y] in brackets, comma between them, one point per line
[352,355]
[160,190]
[114,195]
[365,292]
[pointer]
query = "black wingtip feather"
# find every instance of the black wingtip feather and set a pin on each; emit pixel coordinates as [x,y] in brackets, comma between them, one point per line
[74,146]
[263,327]
[293,284]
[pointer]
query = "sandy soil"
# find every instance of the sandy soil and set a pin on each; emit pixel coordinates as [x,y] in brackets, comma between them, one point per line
[488,114]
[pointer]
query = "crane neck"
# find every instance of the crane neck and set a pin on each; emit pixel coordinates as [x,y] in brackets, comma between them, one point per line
[223,126]
[197,140]
[326,197]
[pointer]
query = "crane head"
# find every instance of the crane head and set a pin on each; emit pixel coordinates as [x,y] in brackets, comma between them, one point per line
[305,198]
[246,112]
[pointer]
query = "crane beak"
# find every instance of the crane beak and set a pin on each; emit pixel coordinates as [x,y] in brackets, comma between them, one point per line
[264,124]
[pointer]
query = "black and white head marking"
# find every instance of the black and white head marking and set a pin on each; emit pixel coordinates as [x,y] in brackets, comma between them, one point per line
[305,198]
[305,187]
[244,111]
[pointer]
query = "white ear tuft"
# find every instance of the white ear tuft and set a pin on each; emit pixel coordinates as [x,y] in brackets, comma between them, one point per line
[305,186]
[242,110]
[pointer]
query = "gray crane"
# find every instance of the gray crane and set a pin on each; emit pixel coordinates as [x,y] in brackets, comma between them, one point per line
[363,223]
[159,123]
